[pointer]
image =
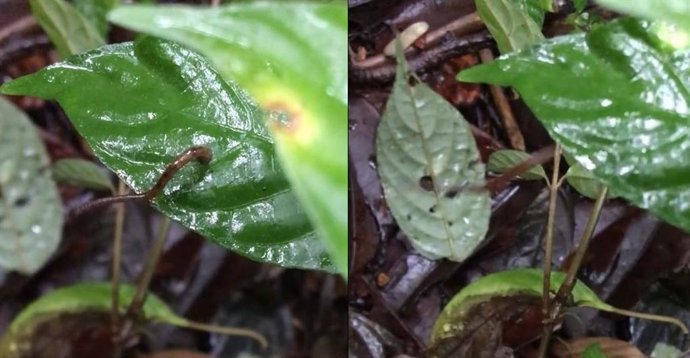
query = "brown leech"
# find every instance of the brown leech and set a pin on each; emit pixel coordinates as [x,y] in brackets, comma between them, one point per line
[199,153]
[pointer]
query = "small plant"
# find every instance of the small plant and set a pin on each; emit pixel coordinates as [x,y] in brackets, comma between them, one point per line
[255,167]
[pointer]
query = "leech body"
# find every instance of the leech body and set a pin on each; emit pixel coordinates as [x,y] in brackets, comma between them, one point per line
[199,153]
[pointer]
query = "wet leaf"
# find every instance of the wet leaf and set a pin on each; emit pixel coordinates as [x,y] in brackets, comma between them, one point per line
[620,106]
[30,209]
[296,71]
[502,160]
[81,173]
[514,24]
[96,11]
[673,11]
[140,105]
[426,156]
[518,282]
[68,30]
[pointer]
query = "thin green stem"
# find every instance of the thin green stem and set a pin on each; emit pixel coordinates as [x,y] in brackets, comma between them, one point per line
[146,275]
[649,316]
[115,279]
[569,282]
[231,331]
[548,240]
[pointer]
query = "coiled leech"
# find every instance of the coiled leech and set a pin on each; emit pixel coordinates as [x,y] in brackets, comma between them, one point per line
[199,153]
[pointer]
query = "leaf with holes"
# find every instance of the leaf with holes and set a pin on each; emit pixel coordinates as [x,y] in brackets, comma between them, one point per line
[503,160]
[141,104]
[513,24]
[81,173]
[426,158]
[292,58]
[67,29]
[31,211]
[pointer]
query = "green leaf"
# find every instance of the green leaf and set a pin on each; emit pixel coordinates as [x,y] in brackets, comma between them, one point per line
[619,102]
[90,296]
[292,58]
[593,351]
[583,181]
[579,5]
[30,208]
[426,156]
[662,350]
[81,173]
[503,160]
[673,11]
[67,29]
[516,282]
[78,298]
[96,11]
[140,105]
[514,24]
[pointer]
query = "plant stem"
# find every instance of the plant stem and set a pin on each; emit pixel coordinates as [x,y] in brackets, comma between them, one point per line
[548,240]
[571,276]
[147,274]
[231,331]
[648,316]
[115,280]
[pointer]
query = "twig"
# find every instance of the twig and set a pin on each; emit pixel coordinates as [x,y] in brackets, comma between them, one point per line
[548,240]
[430,57]
[460,26]
[515,137]
[20,25]
[115,280]
[145,278]
[569,282]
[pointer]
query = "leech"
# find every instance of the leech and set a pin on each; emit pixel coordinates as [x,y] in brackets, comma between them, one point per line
[199,153]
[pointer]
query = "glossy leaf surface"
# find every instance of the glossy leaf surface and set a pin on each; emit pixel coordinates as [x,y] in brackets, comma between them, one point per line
[426,155]
[620,106]
[501,161]
[81,173]
[68,30]
[513,24]
[292,58]
[140,105]
[30,208]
